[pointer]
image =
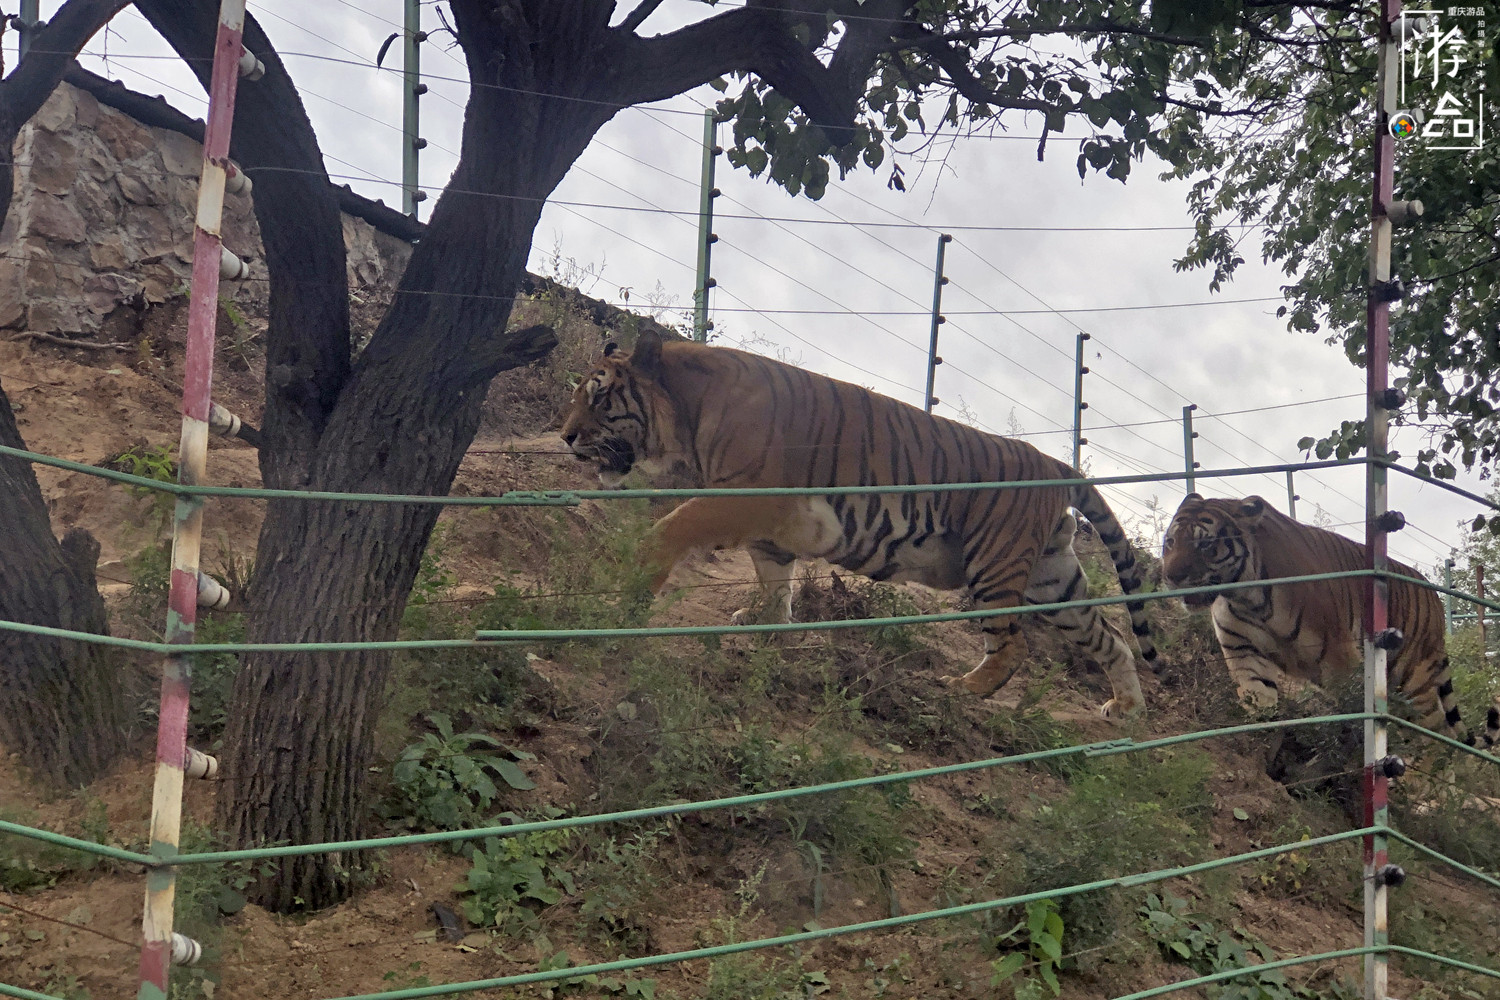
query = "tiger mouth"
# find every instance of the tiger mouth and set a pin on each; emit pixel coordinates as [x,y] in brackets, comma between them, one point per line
[1194,600]
[615,457]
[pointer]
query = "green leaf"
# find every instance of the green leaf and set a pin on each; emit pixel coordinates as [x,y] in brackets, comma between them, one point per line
[1049,976]
[1007,967]
[1050,946]
[1241,814]
[513,776]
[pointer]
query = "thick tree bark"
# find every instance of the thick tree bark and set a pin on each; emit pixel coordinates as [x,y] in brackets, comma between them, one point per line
[61,702]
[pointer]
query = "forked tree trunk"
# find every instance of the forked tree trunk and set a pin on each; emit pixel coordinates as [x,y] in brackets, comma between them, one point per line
[61,702]
[299,740]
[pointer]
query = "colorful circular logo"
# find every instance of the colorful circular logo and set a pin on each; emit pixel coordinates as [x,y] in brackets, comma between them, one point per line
[1403,125]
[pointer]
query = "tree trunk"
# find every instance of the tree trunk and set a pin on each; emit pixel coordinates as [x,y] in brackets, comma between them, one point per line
[61,702]
[299,743]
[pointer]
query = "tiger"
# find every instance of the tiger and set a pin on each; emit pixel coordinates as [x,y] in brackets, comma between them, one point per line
[1311,631]
[719,417]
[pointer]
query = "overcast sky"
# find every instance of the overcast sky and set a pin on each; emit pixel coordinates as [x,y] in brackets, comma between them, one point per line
[852,300]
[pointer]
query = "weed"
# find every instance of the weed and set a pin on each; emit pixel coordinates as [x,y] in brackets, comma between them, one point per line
[600,985]
[410,978]
[1187,937]
[1129,813]
[1037,941]
[617,879]
[749,975]
[512,878]
[150,463]
[1030,729]
[445,781]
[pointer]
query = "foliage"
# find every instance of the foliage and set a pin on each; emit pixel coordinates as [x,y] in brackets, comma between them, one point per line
[150,463]
[600,985]
[446,781]
[1129,814]
[1189,938]
[1480,546]
[1039,938]
[1029,728]
[1303,171]
[514,877]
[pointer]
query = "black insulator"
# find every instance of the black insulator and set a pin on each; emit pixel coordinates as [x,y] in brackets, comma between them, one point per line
[1391,520]
[1388,291]
[1390,875]
[1391,399]
[1389,639]
[1392,766]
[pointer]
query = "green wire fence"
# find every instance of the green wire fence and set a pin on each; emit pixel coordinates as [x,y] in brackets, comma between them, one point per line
[488,637]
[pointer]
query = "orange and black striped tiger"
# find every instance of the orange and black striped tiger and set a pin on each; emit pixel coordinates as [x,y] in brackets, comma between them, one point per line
[722,417]
[1311,631]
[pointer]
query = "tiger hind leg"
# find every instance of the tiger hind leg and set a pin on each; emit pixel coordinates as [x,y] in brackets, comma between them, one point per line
[1057,578]
[1005,650]
[774,568]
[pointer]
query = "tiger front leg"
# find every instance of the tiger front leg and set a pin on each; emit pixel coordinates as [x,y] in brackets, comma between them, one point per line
[1256,681]
[1005,650]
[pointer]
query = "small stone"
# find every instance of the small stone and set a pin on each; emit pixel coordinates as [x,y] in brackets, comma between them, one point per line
[57,113]
[136,191]
[179,154]
[125,137]
[52,217]
[54,163]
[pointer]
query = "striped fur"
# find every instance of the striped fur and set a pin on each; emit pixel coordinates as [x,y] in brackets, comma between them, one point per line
[1311,631]
[721,417]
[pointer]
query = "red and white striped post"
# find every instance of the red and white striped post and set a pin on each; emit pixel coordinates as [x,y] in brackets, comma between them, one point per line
[1377,522]
[158,948]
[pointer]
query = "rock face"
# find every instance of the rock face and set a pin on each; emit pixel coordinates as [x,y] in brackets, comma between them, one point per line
[101,226]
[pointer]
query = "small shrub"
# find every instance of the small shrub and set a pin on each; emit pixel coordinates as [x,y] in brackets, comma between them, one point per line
[512,878]
[1038,943]
[1188,937]
[1030,729]
[1129,813]
[445,781]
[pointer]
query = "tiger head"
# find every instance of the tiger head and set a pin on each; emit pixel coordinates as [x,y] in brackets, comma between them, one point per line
[615,410]
[1210,542]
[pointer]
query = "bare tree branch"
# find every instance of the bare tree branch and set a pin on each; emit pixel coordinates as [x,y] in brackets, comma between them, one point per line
[634,18]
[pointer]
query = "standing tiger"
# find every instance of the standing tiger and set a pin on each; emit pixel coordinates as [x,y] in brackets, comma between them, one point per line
[728,418]
[1311,631]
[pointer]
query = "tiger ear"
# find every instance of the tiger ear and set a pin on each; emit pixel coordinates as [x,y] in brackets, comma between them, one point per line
[1251,509]
[610,349]
[646,356]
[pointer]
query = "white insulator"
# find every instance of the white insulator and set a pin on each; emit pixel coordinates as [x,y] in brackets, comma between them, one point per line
[211,593]
[235,180]
[1409,26]
[1401,212]
[201,765]
[222,422]
[231,268]
[251,68]
[185,951]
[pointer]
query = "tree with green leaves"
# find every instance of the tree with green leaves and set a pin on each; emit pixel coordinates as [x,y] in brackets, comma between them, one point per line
[811,88]
[1302,171]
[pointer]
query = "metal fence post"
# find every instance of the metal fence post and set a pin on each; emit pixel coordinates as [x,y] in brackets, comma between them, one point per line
[412,88]
[706,238]
[1291,496]
[1188,434]
[938,319]
[160,947]
[1378,521]
[1079,371]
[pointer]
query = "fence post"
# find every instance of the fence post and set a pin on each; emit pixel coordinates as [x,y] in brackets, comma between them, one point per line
[1079,371]
[938,319]
[412,88]
[1291,496]
[1479,608]
[1448,598]
[706,238]
[28,21]
[1379,400]
[1187,444]
[159,946]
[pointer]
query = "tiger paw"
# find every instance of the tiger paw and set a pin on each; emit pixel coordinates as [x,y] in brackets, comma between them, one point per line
[1116,710]
[744,616]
